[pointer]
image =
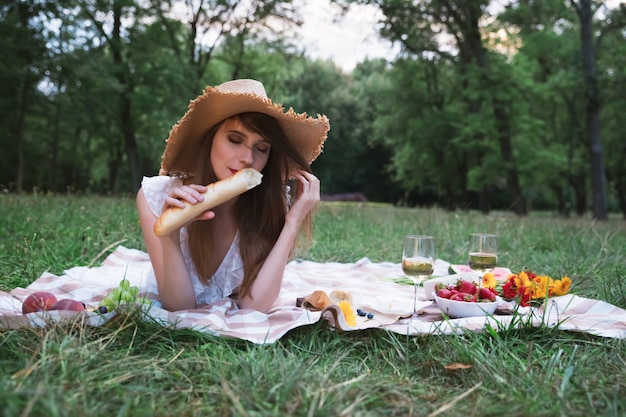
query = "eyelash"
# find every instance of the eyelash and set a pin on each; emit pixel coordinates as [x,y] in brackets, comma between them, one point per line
[240,142]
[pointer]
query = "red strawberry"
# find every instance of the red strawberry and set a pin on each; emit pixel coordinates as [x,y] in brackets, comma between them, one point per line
[469,298]
[444,293]
[457,297]
[467,287]
[486,294]
[460,296]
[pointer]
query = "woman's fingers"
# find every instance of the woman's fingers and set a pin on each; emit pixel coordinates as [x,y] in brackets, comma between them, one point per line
[207,215]
[191,194]
[308,185]
[307,197]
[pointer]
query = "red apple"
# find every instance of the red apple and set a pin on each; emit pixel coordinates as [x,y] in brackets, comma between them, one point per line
[68,304]
[38,301]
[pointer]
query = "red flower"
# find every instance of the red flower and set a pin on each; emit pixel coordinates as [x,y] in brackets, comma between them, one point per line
[509,290]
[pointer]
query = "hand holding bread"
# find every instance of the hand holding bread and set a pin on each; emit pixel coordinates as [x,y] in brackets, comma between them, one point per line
[216,194]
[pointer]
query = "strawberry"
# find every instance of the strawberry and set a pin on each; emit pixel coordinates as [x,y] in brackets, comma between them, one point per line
[444,292]
[471,298]
[457,297]
[467,287]
[486,294]
[460,296]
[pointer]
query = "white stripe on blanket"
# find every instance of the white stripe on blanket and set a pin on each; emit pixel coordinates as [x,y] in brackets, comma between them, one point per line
[370,285]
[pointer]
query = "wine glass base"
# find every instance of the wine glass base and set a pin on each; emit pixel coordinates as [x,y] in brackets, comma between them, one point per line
[408,320]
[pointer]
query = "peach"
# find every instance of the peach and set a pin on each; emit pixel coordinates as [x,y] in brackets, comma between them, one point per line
[68,304]
[38,301]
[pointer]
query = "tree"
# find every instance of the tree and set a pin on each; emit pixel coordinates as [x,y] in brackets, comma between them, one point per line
[611,47]
[452,30]
[549,53]
[23,54]
[213,23]
[100,13]
[585,11]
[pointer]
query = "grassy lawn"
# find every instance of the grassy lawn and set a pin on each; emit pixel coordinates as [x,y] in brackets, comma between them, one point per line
[131,368]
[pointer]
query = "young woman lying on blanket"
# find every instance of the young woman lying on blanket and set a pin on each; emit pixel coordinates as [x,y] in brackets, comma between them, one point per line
[238,249]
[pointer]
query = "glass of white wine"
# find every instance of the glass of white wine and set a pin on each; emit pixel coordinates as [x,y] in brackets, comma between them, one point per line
[418,263]
[483,253]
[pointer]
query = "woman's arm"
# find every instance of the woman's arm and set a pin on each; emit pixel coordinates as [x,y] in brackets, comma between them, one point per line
[266,286]
[173,280]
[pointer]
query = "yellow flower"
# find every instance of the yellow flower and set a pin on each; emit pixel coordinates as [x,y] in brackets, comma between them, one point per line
[541,287]
[562,286]
[522,281]
[489,280]
[348,312]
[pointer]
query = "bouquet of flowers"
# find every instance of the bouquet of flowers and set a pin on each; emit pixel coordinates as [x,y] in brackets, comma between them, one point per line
[531,289]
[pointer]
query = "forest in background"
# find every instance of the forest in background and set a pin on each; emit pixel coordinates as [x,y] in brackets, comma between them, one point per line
[490,105]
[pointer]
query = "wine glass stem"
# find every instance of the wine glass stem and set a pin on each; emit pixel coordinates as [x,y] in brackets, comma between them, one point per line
[415,286]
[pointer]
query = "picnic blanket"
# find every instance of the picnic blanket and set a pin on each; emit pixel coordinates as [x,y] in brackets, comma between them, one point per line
[373,287]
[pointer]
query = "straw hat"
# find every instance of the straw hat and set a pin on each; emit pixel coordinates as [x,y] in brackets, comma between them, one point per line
[215,104]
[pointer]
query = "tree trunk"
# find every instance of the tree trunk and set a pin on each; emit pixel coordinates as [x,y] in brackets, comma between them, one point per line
[130,143]
[126,117]
[462,171]
[54,150]
[592,108]
[20,124]
[484,200]
[18,129]
[619,183]
[580,193]
[503,128]
[501,119]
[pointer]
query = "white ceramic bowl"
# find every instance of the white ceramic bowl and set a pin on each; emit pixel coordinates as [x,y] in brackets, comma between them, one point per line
[430,284]
[459,309]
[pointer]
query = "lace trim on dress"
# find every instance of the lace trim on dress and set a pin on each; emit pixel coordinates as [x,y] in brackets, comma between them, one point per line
[156,189]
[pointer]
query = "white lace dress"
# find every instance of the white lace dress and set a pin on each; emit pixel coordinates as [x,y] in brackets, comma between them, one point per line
[228,276]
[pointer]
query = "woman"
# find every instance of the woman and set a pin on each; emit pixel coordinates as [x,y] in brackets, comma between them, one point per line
[240,248]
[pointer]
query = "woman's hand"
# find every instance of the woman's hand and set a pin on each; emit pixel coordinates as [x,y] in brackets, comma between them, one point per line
[188,194]
[307,197]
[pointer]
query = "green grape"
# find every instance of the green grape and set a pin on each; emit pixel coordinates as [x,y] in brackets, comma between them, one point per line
[110,306]
[121,295]
[116,293]
[144,301]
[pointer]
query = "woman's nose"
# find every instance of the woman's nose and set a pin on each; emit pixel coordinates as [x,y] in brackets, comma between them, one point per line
[247,155]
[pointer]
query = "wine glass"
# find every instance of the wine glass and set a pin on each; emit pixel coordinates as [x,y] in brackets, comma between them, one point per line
[418,263]
[482,254]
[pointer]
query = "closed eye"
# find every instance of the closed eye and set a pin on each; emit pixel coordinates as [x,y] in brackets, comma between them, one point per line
[261,147]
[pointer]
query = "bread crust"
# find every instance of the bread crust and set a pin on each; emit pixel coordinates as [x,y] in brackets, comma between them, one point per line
[216,194]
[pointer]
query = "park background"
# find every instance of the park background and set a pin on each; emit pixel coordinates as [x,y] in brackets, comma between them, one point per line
[479,99]
[487,105]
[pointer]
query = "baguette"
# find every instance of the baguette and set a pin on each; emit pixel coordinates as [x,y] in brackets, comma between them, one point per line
[216,194]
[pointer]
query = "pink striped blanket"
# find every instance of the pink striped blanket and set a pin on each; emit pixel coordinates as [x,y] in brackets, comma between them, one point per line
[373,287]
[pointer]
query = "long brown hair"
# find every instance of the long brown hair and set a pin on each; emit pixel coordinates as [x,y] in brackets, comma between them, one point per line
[259,212]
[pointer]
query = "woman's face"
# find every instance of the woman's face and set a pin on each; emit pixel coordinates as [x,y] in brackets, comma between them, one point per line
[235,148]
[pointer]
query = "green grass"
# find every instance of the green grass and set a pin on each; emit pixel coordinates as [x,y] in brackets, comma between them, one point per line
[131,368]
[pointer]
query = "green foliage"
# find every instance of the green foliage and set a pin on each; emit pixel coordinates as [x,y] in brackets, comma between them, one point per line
[83,110]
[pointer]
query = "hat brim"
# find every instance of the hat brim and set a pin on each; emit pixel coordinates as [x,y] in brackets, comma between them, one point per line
[306,134]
